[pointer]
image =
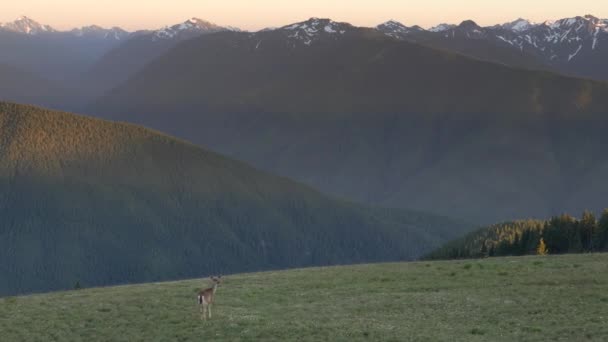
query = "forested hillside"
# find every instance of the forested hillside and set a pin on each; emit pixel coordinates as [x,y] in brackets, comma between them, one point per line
[355,113]
[558,235]
[93,202]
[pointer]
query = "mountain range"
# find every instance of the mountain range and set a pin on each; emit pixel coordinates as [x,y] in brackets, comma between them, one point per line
[359,114]
[84,62]
[52,54]
[99,59]
[125,60]
[576,46]
[96,202]
[418,103]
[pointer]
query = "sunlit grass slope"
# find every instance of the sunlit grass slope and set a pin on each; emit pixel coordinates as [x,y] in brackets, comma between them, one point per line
[504,299]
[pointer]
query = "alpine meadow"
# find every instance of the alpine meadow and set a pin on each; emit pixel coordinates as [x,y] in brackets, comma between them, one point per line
[303,171]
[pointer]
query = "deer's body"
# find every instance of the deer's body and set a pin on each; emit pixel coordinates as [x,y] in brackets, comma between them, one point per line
[206,298]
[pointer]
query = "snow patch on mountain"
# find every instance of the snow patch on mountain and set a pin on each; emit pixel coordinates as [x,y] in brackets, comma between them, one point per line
[396,29]
[314,29]
[190,27]
[27,26]
[560,41]
[575,53]
[519,25]
[442,27]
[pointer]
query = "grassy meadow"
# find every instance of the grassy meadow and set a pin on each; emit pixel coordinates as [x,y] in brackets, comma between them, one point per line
[553,298]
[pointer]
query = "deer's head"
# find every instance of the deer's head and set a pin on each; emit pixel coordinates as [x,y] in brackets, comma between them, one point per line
[216,280]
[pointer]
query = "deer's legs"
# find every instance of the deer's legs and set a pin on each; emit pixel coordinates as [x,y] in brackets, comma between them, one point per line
[209,310]
[203,312]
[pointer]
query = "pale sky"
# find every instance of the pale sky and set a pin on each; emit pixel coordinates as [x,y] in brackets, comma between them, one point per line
[258,14]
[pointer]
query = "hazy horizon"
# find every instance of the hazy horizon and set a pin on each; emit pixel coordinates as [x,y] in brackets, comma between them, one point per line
[140,14]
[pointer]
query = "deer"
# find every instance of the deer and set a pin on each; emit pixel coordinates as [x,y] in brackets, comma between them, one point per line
[206,297]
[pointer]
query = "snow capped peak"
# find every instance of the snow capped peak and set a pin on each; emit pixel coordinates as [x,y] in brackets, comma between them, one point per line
[564,23]
[575,22]
[519,25]
[559,41]
[442,27]
[392,24]
[190,28]
[196,24]
[397,26]
[315,28]
[396,29]
[576,26]
[318,24]
[28,26]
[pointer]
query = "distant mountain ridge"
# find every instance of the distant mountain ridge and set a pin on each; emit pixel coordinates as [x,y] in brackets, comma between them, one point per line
[381,120]
[93,57]
[576,46]
[518,25]
[94,31]
[191,27]
[118,64]
[59,56]
[28,26]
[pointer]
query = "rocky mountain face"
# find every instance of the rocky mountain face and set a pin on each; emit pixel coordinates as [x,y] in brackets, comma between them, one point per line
[190,28]
[577,46]
[27,26]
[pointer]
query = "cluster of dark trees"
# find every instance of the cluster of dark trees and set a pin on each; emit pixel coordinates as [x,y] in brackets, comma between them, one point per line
[558,235]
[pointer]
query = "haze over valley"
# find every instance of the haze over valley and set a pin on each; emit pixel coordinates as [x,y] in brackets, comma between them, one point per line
[395,115]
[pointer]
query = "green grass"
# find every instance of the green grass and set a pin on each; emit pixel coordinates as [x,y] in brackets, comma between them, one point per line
[504,299]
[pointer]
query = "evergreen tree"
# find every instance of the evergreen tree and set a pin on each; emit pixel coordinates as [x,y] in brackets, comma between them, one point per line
[484,250]
[560,234]
[588,230]
[603,231]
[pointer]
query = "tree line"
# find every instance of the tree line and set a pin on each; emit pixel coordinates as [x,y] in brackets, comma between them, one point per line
[559,235]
